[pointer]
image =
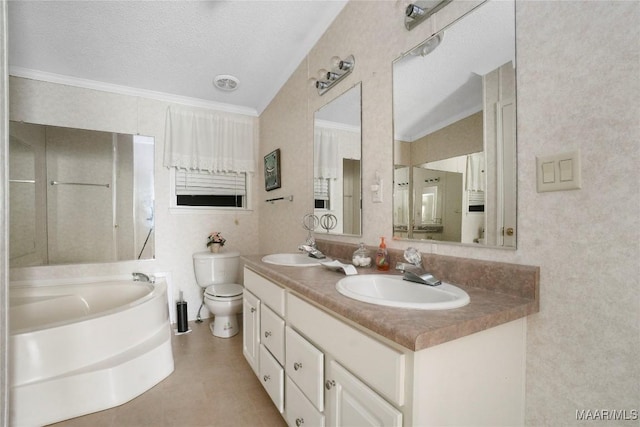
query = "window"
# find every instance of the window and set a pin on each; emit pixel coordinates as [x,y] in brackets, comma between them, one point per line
[321,193]
[197,188]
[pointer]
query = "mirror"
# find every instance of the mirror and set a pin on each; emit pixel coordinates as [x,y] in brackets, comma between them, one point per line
[337,164]
[455,132]
[79,196]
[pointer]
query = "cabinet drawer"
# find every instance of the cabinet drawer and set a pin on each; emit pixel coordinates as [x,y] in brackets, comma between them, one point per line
[300,412]
[305,366]
[272,333]
[272,377]
[269,293]
[378,365]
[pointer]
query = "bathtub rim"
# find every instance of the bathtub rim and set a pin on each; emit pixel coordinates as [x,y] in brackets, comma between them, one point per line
[158,287]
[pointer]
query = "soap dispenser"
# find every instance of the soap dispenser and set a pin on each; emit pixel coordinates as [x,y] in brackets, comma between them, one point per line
[382,256]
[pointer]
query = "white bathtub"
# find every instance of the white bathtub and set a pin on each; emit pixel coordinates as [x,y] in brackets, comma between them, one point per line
[82,348]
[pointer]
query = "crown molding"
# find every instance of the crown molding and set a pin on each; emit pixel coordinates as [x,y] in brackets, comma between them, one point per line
[130,91]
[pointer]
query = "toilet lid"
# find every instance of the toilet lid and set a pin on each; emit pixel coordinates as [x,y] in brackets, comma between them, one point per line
[224,290]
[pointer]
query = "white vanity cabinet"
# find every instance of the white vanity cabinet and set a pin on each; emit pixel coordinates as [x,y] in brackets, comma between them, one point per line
[328,371]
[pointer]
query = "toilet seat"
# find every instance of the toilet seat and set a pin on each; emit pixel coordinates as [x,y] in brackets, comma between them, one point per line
[224,292]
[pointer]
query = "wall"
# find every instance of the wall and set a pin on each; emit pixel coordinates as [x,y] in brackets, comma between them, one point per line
[178,235]
[578,88]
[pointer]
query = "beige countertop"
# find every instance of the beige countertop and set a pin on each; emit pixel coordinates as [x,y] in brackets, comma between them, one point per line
[412,329]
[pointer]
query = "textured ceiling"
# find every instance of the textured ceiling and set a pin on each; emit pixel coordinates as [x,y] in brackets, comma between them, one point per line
[169,47]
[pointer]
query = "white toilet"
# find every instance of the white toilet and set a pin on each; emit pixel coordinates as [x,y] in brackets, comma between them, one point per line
[217,273]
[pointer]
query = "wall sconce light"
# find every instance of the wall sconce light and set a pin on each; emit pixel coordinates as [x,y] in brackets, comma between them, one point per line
[415,14]
[341,68]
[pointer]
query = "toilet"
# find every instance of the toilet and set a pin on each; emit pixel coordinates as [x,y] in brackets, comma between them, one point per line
[217,274]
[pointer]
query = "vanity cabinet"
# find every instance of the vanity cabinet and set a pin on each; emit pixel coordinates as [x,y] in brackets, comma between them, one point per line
[321,369]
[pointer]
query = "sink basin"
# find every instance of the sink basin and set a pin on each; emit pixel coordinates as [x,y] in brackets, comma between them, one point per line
[291,260]
[393,291]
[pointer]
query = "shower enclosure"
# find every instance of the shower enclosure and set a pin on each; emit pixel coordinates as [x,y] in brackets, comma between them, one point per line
[79,196]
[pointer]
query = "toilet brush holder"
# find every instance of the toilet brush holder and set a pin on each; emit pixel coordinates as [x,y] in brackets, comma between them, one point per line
[181,310]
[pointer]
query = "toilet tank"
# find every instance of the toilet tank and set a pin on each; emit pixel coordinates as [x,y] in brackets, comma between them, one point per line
[216,268]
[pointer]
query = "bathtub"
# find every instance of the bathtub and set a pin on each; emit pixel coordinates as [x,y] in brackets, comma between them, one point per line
[82,348]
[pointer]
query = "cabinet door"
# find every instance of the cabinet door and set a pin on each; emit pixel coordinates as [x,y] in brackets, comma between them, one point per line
[272,377]
[272,332]
[351,403]
[251,330]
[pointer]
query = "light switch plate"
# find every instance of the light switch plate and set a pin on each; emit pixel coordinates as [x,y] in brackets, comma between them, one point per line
[376,192]
[559,172]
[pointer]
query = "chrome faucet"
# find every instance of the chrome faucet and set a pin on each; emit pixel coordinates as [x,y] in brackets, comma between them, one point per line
[414,272]
[313,252]
[141,277]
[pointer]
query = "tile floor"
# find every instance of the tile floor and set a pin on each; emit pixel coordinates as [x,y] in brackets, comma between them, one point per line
[212,385]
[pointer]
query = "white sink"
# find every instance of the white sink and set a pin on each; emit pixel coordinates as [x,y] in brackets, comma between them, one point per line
[393,291]
[291,260]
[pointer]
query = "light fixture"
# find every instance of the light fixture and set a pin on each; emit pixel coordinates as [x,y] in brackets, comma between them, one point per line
[226,82]
[341,68]
[415,13]
[428,46]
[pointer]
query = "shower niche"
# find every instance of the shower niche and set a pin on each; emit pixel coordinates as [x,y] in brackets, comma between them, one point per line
[79,196]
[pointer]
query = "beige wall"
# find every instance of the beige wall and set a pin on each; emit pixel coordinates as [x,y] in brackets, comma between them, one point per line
[578,88]
[460,138]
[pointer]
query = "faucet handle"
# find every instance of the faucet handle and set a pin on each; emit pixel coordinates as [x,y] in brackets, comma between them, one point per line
[412,256]
[401,266]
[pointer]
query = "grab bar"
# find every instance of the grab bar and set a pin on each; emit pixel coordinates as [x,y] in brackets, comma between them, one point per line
[79,183]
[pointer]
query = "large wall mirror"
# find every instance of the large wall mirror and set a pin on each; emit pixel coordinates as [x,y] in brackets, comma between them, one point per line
[454,101]
[79,196]
[337,164]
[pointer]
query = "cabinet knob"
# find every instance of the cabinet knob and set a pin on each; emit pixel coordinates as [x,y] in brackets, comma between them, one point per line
[297,366]
[267,334]
[299,421]
[266,378]
[509,231]
[253,310]
[330,384]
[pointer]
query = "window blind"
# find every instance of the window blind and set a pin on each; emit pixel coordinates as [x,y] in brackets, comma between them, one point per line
[195,182]
[321,189]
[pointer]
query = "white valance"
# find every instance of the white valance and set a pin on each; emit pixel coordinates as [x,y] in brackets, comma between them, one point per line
[208,141]
[330,145]
[475,172]
[325,156]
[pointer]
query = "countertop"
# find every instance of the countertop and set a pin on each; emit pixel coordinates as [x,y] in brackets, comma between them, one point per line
[412,329]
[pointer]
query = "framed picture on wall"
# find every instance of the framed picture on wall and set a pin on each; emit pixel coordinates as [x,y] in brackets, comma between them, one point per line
[272,178]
